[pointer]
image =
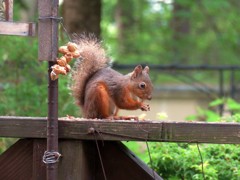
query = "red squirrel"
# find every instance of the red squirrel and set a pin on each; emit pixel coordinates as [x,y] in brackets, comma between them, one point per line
[101,91]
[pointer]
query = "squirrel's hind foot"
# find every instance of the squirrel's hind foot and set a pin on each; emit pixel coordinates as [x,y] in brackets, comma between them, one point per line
[123,118]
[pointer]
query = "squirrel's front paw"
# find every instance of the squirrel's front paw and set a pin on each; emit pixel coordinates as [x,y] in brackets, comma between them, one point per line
[145,107]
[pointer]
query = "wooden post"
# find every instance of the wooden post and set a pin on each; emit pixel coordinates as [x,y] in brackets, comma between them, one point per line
[9,10]
[48,49]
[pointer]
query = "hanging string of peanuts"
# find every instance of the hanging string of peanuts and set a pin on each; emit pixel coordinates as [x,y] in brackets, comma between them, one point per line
[69,52]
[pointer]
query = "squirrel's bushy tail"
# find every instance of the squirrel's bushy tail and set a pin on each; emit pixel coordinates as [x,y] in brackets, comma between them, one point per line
[93,58]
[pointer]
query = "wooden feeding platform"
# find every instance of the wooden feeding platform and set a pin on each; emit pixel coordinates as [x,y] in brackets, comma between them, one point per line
[123,130]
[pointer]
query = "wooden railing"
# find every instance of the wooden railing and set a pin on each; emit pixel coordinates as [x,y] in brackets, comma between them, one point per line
[8,27]
[122,130]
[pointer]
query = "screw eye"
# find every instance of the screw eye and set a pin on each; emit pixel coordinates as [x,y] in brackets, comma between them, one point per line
[142,85]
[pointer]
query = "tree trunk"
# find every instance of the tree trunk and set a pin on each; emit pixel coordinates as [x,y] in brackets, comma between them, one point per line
[82,16]
[181,27]
[125,25]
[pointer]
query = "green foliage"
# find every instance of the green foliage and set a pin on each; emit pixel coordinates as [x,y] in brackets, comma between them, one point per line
[175,161]
[153,35]
[182,161]
[138,148]
[23,80]
[142,35]
[204,115]
[211,114]
[6,143]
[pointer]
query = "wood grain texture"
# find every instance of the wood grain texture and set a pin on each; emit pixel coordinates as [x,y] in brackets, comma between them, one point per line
[120,163]
[81,161]
[39,168]
[221,133]
[48,50]
[47,30]
[44,31]
[16,162]
[18,29]
[9,10]
[78,161]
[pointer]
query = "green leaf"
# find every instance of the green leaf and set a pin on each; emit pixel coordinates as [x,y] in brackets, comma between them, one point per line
[233,105]
[212,116]
[216,102]
[192,117]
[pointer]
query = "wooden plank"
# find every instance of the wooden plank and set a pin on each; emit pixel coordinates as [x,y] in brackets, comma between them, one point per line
[162,131]
[47,31]
[78,161]
[16,162]
[19,29]
[22,127]
[39,168]
[9,10]
[119,163]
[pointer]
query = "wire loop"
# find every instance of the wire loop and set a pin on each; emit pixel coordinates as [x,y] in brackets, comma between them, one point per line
[51,157]
[58,19]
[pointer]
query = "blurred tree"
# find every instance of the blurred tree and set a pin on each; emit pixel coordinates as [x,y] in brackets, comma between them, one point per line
[177,31]
[82,16]
[30,8]
[180,25]
[125,23]
[127,31]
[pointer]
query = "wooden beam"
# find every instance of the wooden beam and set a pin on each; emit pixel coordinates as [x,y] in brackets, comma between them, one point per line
[128,165]
[9,10]
[38,167]
[16,162]
[161,131]
[48,30]
[15,28]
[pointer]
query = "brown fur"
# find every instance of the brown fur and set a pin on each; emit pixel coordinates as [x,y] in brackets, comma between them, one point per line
[100,90]
[93,58]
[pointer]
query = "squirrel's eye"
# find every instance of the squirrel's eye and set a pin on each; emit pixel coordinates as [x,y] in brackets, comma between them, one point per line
[142,85]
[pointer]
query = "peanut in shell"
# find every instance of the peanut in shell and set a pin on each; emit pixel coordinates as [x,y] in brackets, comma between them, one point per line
[68,57]
[62,61]
[72,47]
[53,76]
[59,69]
[76,54]
[68,68]
[63,49]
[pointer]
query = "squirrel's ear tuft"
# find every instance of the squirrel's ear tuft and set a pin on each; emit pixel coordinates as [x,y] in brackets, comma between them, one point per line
[146,69]
[137,71]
